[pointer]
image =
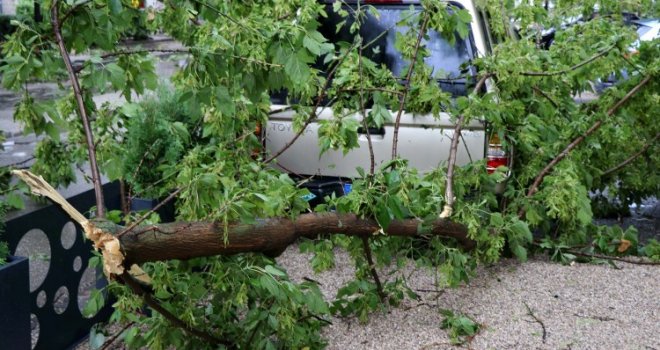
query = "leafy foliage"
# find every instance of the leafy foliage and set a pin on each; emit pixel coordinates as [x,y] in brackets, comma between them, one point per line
[459,326]
[159,129]
[199,137]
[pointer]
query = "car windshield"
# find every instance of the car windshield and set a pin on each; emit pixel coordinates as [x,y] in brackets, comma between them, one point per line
[446,60]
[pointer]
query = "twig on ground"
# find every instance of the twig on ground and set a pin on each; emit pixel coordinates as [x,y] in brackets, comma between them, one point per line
[599,318]
[608,257]
[538,320]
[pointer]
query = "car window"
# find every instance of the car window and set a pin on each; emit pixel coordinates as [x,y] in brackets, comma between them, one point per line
[445,59]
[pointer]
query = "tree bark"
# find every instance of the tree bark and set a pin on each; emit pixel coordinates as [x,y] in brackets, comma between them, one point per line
[186,240]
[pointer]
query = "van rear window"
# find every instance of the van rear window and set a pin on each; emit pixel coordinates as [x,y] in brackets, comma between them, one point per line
[447,60]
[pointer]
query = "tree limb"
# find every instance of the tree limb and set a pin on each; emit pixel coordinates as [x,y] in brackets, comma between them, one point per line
[153,210]
[633,157]
[406,86]
[539,178]
[91,147]
[372,269]
[138,289]
[314,112]
[449,188]
[186,240]
[572,68]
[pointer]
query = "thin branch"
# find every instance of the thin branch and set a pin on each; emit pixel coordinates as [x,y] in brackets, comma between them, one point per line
[145,216]
[532,190]
[393,92]
[114,337]
[152,303]
[73,9]
[314,112]
[222,14]
[184,51]
[453,150]
[615,258]
[372,160]
[572,68]
[538,320]
[547,96]
[402,100]
[633,157]
[20,163]
[89,137]
[372,269]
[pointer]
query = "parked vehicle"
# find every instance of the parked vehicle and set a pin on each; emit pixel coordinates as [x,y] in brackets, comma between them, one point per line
[424,140]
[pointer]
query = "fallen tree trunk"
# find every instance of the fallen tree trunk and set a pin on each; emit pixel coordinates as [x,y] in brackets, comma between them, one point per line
[124,247]
[185,240]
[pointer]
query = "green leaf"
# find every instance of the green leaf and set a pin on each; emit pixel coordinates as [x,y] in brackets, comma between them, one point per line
[94,304]
[224,101]
[274,271]
[297,70]
[312,45]
[115,7]
[14,200]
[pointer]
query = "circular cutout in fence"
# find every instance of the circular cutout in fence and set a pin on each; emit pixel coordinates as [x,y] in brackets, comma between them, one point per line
[68,235]
[85,287]
[77,264]
[41,299]
[34,324]
[61,300]
[34,245]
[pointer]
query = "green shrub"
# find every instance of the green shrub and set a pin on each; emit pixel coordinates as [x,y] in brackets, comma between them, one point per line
[157,136]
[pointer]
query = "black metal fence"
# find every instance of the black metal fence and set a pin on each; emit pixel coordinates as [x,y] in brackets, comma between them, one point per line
[60,279]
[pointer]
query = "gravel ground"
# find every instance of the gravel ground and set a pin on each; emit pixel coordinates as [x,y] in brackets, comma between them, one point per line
[582,306]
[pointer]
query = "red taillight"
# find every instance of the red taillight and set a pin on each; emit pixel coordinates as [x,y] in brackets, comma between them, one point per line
[496,155]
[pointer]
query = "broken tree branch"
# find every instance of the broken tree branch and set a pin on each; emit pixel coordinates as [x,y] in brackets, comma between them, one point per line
[406,85]
[451,163]
[138,289]
[372,269]
[537,181]
[186,240]
[633,157]
[89,138]
[314,112]
[572,68]
[615,258]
